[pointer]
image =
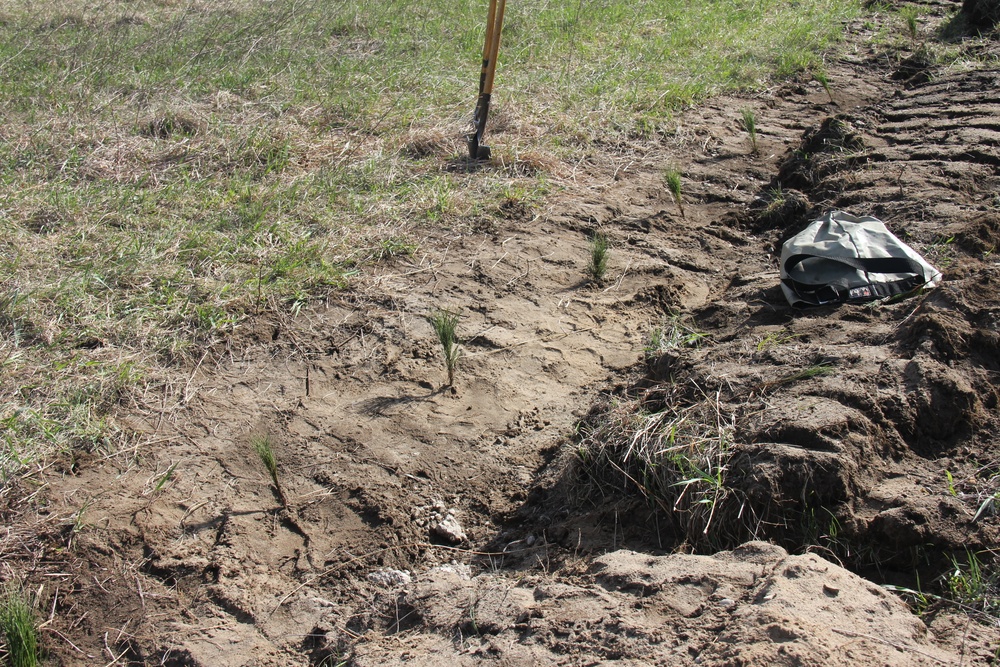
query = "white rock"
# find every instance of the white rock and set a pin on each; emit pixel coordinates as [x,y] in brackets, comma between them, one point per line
[389,578]
[450,529]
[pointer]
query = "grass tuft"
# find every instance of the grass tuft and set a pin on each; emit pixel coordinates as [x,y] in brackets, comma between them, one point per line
[816,370]
[445,325]
[819,74]
[19,627]
[974,585]
[971,586]
[674,334]
[677,458]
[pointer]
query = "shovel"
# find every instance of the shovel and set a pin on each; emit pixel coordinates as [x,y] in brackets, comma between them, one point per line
[491,47]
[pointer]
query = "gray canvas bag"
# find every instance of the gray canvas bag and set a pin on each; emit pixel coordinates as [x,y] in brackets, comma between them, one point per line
[841,258]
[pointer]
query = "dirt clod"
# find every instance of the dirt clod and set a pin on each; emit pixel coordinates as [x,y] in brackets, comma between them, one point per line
[982,13]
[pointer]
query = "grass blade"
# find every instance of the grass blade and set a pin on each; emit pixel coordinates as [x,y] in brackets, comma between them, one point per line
[19,627]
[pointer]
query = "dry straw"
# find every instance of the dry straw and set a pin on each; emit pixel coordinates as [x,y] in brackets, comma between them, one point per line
[677,458]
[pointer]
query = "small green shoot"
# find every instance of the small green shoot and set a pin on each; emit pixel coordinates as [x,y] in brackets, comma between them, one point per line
[673,178]
[816,370]
[941,253]
[909,16]
[750,125]
[673,335]
[918,599]
[951,483]
[973,586]
[775,339]
[262,444]
[445,323]
[164,478]
[19,628]
[820,75]
[78,522]
[599,247]
[988,506]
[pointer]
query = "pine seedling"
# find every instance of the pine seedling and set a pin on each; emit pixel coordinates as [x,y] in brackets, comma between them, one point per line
[598,256]
[750,124]
[19,628]
[673,178]
[262,445]
[445,323]
[821,77]
[909,15]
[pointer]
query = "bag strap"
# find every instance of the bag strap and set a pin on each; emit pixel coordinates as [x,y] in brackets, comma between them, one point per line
[839,291]
[866,264]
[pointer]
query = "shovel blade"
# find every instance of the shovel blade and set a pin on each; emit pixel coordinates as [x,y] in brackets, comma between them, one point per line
[476,150]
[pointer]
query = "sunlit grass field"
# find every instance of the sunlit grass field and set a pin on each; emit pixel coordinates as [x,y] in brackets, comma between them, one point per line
[171,170]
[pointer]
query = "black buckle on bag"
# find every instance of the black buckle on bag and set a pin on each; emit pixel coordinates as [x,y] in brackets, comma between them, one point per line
[827,294]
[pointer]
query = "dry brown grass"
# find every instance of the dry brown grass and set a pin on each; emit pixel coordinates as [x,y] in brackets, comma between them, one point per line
[677,458]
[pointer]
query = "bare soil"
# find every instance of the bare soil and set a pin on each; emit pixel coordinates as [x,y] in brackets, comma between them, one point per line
[374,452]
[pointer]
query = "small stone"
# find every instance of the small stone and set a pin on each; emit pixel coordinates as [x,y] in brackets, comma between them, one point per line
[389,578]
[727,603]
[462,570]
[450,529]
[323,602]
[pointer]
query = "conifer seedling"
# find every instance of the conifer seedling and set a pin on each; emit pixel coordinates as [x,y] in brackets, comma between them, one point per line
[445,323]
[673,179]
[750,124]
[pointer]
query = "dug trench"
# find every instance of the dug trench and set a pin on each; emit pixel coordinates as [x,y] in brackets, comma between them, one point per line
[433,524]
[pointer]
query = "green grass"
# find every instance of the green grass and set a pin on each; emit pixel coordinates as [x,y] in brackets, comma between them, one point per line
[971,586]
[974,584]
[675,333]
[19,629]
[909,14]
[775,339]
[819,74]
[169,172]
[807,373]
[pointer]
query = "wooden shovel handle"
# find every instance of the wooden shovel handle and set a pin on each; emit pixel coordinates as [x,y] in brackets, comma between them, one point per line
[497,25]
[487,46]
